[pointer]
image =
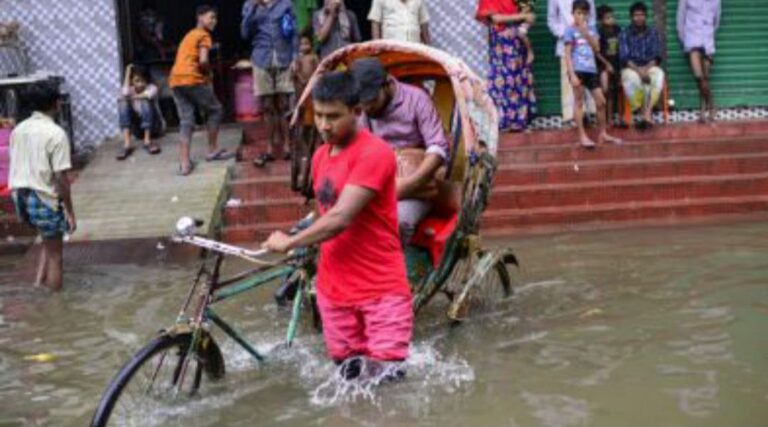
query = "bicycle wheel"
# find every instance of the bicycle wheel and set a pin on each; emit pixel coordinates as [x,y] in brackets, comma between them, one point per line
[152,379]
[478,282]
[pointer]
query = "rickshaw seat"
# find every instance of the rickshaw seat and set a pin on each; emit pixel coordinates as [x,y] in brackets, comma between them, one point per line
[433,233]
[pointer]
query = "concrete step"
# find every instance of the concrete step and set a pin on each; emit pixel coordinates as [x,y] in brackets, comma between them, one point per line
[253,233]
[633,150]
[627,191]
[602,170]
[515,221]
[658,133]
[274,210]
[278,186]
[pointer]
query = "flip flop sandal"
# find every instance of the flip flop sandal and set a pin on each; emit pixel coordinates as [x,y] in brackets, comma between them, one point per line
[124,153]
[263,159]
[182,172]
[587,145]
[152,148]
[221,154]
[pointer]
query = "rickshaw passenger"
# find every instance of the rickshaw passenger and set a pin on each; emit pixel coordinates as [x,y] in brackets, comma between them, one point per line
[406,118]
[362,290]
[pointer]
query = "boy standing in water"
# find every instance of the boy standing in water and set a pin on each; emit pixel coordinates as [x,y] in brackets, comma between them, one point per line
[581,49]
[362,290]
[190,80]
[40,161]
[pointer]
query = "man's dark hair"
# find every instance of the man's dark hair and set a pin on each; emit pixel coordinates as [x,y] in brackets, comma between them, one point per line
[337,86]
[582,5]
[140,71]
[202,10]
[41,96]
[603,10]
[638,7]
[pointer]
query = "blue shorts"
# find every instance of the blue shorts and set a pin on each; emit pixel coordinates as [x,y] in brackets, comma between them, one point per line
[50,223]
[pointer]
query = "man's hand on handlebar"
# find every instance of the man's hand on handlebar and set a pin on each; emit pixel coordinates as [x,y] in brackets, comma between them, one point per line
[277,242]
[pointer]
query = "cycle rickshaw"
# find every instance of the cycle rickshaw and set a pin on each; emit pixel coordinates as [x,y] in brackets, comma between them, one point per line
[445,255]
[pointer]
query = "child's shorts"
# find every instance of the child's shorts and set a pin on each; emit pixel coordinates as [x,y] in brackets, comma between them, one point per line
[49,222]
[380,329]
[590,81]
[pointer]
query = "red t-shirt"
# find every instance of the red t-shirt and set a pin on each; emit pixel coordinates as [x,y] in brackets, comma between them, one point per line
[365,261]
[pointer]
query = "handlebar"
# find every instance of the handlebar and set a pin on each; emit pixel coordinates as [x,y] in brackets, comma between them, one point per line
[186,226]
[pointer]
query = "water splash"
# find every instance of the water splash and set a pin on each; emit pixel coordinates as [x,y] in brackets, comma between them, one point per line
[426,369]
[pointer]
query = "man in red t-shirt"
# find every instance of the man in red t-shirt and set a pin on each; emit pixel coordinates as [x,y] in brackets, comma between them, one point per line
[362,289]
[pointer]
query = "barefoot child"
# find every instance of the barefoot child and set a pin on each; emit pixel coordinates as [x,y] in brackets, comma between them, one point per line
[609,32]
[581,49]
[40,162]
[302,70]
[190,81]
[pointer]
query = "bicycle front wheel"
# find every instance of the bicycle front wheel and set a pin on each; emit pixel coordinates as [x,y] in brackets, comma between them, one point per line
[156,376]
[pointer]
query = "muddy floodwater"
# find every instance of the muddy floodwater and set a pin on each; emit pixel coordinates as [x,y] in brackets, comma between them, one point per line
[647,327]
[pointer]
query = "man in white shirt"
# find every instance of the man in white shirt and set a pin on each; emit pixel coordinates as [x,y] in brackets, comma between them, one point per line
[560,17]
[404,20]
[40,160]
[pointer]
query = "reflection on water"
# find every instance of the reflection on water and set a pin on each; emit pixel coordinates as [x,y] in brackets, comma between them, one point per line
[640,328]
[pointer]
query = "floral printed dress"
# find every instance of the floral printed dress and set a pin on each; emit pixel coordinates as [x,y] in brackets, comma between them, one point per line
[510,79]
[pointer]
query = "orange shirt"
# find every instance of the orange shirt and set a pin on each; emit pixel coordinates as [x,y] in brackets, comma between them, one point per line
[186,68]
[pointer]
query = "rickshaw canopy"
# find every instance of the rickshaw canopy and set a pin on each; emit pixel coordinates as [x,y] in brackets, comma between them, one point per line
[471,113]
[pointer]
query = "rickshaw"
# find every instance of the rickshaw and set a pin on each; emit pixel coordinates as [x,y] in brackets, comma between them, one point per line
[444,257]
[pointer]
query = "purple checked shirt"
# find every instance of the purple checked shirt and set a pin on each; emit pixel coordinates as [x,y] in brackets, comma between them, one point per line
[410,121]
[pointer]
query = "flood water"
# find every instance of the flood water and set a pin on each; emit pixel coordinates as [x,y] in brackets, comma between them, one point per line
[647,327]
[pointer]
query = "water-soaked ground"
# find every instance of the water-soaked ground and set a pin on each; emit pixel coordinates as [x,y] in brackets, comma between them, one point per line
[660,327]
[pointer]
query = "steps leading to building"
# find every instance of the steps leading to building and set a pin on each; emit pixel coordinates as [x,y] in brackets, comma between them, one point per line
[673,174]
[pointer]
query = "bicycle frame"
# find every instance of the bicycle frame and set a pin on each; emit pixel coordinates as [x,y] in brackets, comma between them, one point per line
[215,290]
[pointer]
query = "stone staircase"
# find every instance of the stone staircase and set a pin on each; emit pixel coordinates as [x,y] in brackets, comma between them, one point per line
[674,174]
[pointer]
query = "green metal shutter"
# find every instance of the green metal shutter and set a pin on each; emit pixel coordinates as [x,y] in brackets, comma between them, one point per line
[740,73]
[546,68]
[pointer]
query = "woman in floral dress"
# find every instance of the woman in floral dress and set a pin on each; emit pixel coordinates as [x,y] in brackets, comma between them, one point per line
[510,76]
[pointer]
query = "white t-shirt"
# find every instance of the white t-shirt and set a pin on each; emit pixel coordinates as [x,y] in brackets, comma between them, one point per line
[400,19]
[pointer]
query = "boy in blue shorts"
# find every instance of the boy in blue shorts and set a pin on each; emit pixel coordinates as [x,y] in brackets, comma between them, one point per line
[40,159]
[582,50]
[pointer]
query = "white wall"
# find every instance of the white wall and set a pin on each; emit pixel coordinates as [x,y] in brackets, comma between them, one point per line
[76,39]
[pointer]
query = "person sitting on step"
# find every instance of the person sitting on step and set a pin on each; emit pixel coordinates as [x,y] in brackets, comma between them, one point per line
[640,55]
[139,112]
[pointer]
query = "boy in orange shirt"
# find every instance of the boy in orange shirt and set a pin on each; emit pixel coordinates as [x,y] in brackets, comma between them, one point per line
[190,81]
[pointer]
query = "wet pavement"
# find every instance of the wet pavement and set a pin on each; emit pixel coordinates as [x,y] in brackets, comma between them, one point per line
[646,327]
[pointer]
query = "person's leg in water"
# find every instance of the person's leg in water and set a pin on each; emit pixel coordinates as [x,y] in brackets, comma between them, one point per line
[42,268]
[343,331]
[53,256]
[388,332]
[600,105]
